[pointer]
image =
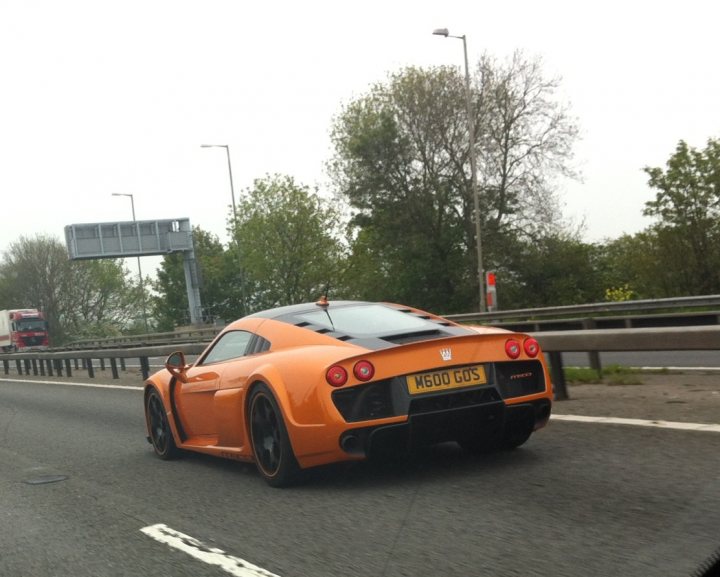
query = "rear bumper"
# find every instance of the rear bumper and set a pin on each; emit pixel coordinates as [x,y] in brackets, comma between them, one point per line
[384,416]
[491,420]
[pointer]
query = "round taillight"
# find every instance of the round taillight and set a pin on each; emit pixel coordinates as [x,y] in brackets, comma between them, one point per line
[364,370]
[532,347]
[512,349]
[336,376]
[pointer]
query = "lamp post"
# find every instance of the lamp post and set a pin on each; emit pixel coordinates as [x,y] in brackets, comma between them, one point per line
[142,287]
[235,225]
[232,189]
[473,164]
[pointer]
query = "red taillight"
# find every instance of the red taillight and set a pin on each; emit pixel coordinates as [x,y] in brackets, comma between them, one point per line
[512,349]
[364,370]
[532,347]
[336,376]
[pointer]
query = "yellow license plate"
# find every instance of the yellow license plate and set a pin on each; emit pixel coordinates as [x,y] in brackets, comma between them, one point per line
[420,383]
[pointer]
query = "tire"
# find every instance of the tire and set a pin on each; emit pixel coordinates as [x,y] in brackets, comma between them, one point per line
[161,436]
[271,446]
[513,439]
[518,430]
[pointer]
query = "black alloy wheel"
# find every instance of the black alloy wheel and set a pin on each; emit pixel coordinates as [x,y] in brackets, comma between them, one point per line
[159,428]
[273,452]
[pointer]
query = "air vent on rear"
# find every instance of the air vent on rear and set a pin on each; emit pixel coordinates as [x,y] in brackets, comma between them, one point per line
[402,339]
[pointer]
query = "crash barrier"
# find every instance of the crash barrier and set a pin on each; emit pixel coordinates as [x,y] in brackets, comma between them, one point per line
[616,315]
[689,306]
[553,343]
[203,334]
[63,363]
[612,315]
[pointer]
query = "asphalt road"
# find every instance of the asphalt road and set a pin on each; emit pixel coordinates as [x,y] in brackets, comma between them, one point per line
[578,499]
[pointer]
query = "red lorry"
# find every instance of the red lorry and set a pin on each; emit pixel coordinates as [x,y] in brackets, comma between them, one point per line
[23,330]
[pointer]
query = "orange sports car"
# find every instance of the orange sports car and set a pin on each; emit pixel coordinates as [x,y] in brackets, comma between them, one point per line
[304,385]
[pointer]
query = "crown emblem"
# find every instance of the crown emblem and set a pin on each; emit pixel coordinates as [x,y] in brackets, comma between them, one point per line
[446,354]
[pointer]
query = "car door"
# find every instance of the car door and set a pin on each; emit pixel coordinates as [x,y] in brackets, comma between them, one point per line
[195,398]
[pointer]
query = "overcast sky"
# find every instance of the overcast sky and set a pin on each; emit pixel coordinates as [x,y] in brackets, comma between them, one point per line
[100,97]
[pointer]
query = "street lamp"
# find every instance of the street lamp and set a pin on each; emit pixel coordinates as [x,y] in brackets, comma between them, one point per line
[473,163]
[232,189]
[235,224]
[142,287]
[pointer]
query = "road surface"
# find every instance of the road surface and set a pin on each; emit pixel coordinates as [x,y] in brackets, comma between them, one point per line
[578,499]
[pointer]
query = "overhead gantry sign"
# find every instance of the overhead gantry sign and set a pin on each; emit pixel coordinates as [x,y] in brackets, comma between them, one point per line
[139,238]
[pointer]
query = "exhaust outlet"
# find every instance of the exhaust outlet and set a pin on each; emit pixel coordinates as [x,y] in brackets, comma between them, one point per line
[350,443]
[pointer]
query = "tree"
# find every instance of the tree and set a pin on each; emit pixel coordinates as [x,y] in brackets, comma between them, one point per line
[401,160]
[638,264]
[103,300]
[79,298]
[216,289]
[525,141]
[555,270]
[287,243]
[687,204]
[34,273]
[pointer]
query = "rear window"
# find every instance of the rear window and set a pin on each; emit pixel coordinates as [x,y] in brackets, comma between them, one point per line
[370,320]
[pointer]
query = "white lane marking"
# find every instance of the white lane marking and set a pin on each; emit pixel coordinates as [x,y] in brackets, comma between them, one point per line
[680,369]
[211,555]
[640,423]
[69,384]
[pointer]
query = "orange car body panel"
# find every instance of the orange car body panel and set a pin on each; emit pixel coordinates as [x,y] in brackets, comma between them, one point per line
[207,412]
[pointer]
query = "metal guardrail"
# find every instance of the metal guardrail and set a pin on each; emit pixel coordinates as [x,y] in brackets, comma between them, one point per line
[685,319]
[593,309]
[653,339]
[62,363]
[186,335]
[526,320]
[554,343]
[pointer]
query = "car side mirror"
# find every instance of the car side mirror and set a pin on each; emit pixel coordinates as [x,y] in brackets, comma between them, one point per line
[176,365]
